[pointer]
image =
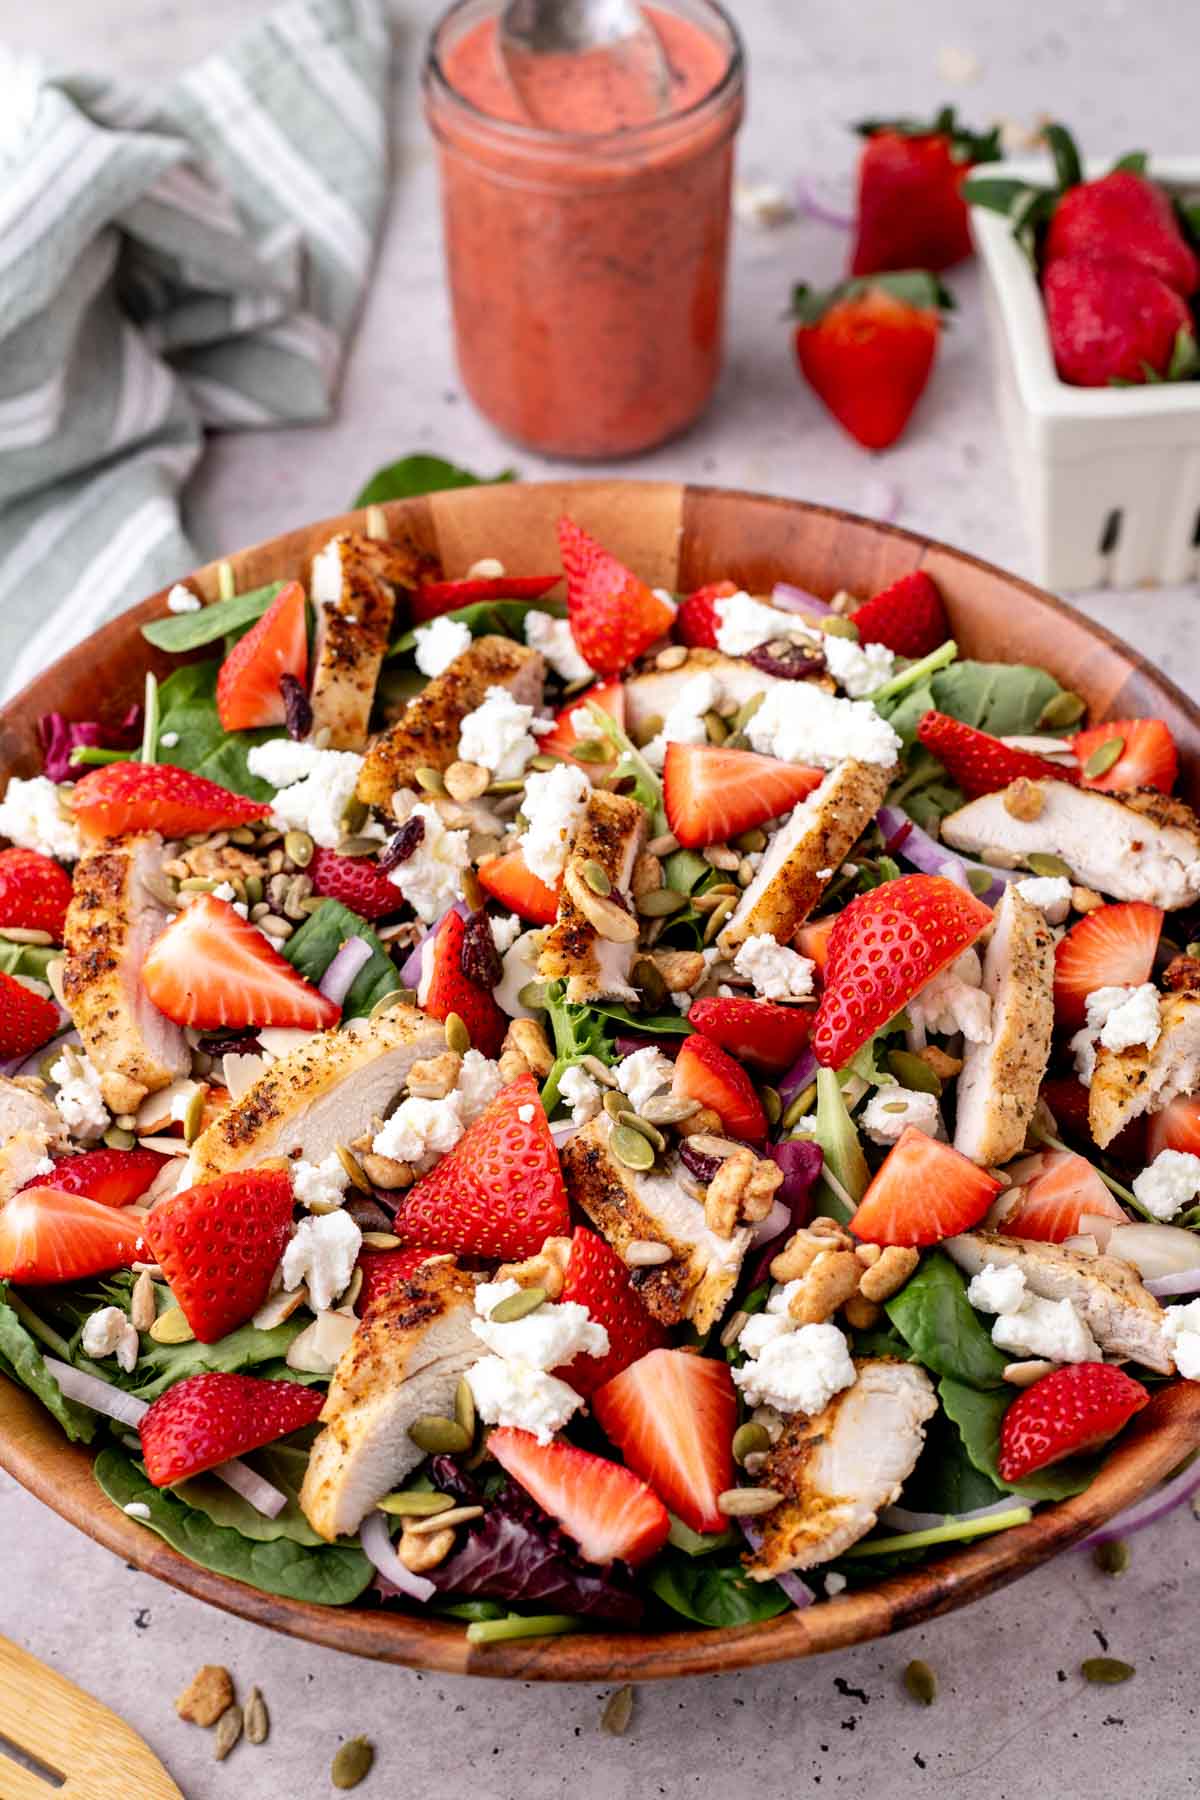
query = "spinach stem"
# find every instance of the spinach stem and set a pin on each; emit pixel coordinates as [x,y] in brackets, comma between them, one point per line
[915,672]
[91,756]
[38,1328]
[498,1631]
[150,725]
[954,1531]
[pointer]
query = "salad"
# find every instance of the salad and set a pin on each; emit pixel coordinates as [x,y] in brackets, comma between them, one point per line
[606,1111]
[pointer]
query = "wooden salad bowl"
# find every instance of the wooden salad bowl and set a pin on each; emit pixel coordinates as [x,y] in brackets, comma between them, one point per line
[675,537]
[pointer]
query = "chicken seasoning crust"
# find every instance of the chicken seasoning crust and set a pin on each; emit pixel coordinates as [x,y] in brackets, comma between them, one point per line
[620,1135]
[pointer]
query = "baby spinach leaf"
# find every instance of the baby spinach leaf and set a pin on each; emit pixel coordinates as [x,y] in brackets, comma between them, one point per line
[979,1415]
[161,1365]
[684,870]
[504,618]
[282,1465]
[934,1317]
[1005,699]
[21,1356]
[27,959]
[714,1592]
[190,630]
[313,947]
[670,1024]
[945,1480]
[419,474]
[331,1575]
[188,712]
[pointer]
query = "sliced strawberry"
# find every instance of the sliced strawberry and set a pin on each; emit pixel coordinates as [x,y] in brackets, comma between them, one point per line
[696,621]
[1114,946]
[134,796]
[220,1243]
[113,1177]
[1176,1127]
[598,1279]
[612,1516]
[49,1236]
[432,598]
[448,990]
[982,764]
[711,794]
[211,967]
[908,617]
[705,1072]
[610,697]
[500,1191]
[383,1270]
[511,881]
[27,1020]
[1144,751]
[758,1032]
[884,948]
[356,881]
[924,1191]
[248,690]
[34,892]
[1067,1099]
[207,1419]
[1049,1194]
[1071,1410]
[812,939]
[672,1416]
[614,616]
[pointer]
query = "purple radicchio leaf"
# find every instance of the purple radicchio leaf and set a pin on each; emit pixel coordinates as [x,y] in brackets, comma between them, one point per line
[59,736]
[801,1160]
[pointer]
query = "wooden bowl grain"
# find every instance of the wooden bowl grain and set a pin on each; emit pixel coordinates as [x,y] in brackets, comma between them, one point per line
[676,537]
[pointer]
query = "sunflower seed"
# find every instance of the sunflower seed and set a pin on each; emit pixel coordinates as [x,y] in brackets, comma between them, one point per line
[707,1144]
[1107,1670]
[458,1515]
[1099,763]
[731,1331]
[1112,1558]
[298,847]
[666,1109]
[618,1708]
[458,1038]
[644,1253]
[664,845]
[160,887]
[749,1439]
[659,903]
[630,1147]
[517,1306]
[352,1763]
[143,1308]
[255,1718]
[921,1682]
[276,927]
[673,657]
[748,1502]
[1065,709]
[381,1240]
[171,1327]
[415,1505]
[229,1730]
[648,1131]
[437,1436]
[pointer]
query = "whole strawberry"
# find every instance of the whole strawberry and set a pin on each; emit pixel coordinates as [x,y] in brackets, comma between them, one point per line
[356,881]
[911,214]
[1114,322]
[34,892]
[206,1419]
[1071,1410]
[867,349]
[1124,214]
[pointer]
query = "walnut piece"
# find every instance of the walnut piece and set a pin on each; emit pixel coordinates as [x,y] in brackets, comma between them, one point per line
[206,1695]
[861,1314]
[889,1274]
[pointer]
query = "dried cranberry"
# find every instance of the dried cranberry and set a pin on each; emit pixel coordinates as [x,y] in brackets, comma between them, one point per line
[297,711]
[702,1166]
[787,661]
[368,1215]
[479,958]
[403,844]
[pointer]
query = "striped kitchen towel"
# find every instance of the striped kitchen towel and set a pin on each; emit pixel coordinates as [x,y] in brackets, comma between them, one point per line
[186,259]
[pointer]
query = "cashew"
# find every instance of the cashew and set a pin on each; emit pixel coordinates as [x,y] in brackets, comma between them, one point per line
[861,1314]
[758,1196]
[1085,900]
[831,1280]
[546,1270]
[436,1076]
[723,1200]
[804,1246]
[706,1121]
[423,1550]
[1024,799]
[529,1038]
[385,1172]
[887,1276]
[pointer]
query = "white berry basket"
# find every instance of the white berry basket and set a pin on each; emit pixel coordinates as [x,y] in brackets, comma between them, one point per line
[1109,477]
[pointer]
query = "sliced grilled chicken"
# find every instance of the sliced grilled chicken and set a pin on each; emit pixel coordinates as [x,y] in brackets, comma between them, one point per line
[354,598]
[625,1206]
[426,734]
[805,853]
[1123,1317]
[841,1468]
[405,1360]
[1127,1083]
[20,1155]
[323,1094]
[652,695]
[1134,847]
[22,1111]
[113,919]
[576,949]
[998,1088]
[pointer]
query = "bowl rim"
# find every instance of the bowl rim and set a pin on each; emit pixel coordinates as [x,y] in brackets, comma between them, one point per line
[35,1452]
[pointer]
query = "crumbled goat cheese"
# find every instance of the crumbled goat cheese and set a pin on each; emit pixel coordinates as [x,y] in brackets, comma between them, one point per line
[775,971]
[581,1092]
[646,1073]
[1051,894]
[684,721]
[182,600]
[512,1393]
[835,1584]
[997,1290]
[32,819]
[797,1370]
[431,879]
[314,786]
[891,1109]
[955,1001]
[744,623]
[525,1113]
[799,722]
[1131,1019]
[225,890]
[554,638]
[439,642]
[554,804]
[167,741]
[322,1253]
[108,1332]
[1181,1325]
[505,931]
[1083,1048]
[479,1081]
[545,1339]
[1054,1329]
[419,1131]
[1169,1183]
[498,735]
[79,1101]
[858,668]
[320,1186]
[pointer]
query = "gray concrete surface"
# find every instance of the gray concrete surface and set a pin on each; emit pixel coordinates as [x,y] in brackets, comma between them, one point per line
[1014,1720]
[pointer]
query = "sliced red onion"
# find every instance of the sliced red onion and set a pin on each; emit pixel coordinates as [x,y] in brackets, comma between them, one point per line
[776,1222]
[925,853]
[812,206]
[410,968]
[377,1547]
[790,598]
[1148,1511]
[339,977]
[261,1494]
[1186,1282]
[563,1132]
[802,1074]
[796,1590]
[94,1391]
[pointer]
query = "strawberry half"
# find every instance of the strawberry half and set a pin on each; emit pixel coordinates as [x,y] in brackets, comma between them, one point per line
[248,690]
[113,1177]
[34,892]
[500,1191]
[220,1243]
[1071,1410]
[1146,756]
[705,1072]
[867,349]
[758,1032]
[911,213]
[47,1235]
[511,881]
[383,1270]
[598,1279]
[812,939]
[432,598]
[125,797]
[448,990]
[711,794]
[561,741]
[982,764]
[908,617]
[883,948]
[211,967]
[614,616]
[1050,1193]
[672,1416]
[1114,946]
[1176,1127]
[207,1419]
[696,620]
[612,1516]
[27,1020]
[356,881]
[924,1191]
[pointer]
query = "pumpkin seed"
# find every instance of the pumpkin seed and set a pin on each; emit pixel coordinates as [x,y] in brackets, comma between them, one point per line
[353,1168]
[437,1436]
[1043,863]
[615,1103]
[649,728]
[772,1105]
[746,711]
[542,761]
[533,995]
[597,878]
[979,881]
[464,1405]
[255,1718]
[352,1763]
[715,727]
[920,1682]
[517,1306]
[1099,763]
[618,1708]
[659,903]
[254,890]
[354,815]
[718,917]
[591,750]
[430,780]
[358,846]
[197,884]
[505,787]
[667,1109]
[647,978]
[748,1502]
[833,626]
[118,1139]
[631,1148]
[389,1002]
[750,1439]
[412,1504]
[1065,709]
[171,1327]
[298,847]
[458,1038]
[1112,1558]
[194,1113]
[649,1131]
[458,1515]
[1107,1670]
[913,1072]
[229,1730]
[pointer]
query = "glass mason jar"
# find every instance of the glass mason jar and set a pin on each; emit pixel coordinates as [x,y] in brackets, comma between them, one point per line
[587,270]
